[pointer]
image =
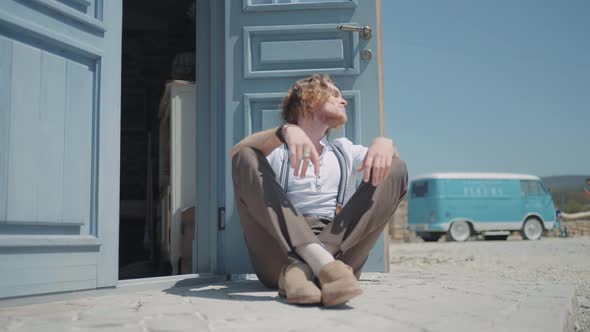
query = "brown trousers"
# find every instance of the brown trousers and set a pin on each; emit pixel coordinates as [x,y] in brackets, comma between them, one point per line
[273,227]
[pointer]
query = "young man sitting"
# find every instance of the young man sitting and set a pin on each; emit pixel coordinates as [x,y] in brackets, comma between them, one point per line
[295,191]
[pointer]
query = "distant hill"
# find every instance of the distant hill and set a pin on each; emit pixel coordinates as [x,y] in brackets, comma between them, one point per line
[567,192]
[566,181]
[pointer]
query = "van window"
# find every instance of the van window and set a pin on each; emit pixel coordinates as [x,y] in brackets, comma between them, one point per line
[420,189]
[532,188]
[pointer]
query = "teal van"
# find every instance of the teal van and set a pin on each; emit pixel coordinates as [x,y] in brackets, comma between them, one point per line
[491,204]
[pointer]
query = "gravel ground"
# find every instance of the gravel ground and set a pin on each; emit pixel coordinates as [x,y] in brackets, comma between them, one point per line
[549,259]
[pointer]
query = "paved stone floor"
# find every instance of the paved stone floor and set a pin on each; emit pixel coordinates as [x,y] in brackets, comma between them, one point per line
[404,300]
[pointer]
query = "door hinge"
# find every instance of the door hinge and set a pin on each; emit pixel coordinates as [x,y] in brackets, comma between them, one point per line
[221,218]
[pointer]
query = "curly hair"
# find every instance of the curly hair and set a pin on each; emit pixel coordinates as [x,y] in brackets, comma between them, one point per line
[305,95]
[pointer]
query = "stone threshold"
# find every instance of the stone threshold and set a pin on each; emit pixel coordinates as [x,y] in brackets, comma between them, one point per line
[123,286]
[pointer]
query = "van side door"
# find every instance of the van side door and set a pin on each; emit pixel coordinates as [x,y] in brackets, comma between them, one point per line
[536,199]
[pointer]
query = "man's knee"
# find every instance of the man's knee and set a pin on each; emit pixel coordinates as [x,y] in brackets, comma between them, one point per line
[244,157]
[399,172]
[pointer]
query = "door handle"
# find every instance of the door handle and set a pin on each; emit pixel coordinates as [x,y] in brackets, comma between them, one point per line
[365,31]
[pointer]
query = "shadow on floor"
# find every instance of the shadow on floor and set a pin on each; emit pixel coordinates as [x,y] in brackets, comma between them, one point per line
[243,290]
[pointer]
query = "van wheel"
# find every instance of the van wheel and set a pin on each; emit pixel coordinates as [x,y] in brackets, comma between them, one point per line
[459,231]
[532,229]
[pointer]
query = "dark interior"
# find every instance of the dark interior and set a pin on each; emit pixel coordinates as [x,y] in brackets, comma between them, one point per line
[158,45]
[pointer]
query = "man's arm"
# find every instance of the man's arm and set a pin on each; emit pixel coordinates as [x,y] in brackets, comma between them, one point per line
[300,147]
[265,141]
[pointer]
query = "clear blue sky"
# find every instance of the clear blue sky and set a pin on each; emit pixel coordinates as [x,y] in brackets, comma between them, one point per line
[488,86]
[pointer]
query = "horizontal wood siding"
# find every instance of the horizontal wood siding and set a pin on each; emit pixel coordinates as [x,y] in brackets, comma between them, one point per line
[30,271]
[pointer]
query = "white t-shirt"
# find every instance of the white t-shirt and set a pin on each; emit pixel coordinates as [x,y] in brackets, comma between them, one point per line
[316,196]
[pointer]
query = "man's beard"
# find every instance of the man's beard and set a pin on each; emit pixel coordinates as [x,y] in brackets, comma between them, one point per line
[333,119]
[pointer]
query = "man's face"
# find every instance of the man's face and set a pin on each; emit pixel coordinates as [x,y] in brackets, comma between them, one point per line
[333,112]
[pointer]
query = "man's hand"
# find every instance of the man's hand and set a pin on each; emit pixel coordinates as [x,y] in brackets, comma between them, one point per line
[301,149]
[378,160]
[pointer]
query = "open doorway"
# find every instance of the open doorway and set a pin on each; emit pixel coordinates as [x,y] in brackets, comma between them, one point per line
[158,46]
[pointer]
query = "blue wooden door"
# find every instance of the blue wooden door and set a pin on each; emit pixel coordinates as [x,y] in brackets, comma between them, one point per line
[59,144]
[270,44]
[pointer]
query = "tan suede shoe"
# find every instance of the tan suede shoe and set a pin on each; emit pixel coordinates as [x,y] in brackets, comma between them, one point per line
[338,284]
[295,284]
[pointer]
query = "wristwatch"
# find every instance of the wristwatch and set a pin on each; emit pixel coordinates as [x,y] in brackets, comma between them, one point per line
[280,132]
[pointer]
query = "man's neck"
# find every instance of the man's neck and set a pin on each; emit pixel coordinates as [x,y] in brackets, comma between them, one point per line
[315,130]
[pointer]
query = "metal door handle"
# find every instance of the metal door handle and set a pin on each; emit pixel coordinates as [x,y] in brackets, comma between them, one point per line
[365,30]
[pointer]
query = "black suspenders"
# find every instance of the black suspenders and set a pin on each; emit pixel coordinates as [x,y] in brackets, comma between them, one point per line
[343,178]
[284,174]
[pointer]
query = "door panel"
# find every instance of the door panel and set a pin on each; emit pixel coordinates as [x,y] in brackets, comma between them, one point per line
[270,44]
[275,5]
[262,111]
[58,123]
[269,51]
